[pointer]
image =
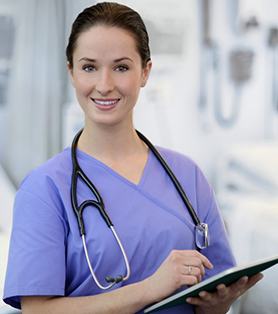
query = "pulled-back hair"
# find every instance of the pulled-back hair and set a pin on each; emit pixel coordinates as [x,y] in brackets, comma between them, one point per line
[109,14]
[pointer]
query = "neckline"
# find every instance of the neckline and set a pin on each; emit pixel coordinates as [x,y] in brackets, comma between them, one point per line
[88,158]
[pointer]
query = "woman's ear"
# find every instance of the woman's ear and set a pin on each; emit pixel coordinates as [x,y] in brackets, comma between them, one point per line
[71,74]
[146,73]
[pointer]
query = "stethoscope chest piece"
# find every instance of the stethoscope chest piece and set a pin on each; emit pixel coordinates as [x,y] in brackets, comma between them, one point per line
[202,237]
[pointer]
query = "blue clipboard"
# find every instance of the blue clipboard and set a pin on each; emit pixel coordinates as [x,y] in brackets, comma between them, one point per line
[226,277]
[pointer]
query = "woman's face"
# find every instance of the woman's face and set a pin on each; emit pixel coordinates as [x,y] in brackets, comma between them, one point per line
[107,75]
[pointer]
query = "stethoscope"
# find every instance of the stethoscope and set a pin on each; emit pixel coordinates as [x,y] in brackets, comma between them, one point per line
[201,229]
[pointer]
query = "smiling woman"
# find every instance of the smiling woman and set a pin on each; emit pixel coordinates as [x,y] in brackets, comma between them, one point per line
[109,62]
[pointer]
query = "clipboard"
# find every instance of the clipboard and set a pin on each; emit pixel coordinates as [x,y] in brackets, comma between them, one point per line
[226,277]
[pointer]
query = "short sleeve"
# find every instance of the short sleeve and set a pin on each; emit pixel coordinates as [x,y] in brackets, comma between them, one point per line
[36,264]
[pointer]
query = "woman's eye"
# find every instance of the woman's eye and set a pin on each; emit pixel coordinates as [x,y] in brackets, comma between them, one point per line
[89,68]
[122,68]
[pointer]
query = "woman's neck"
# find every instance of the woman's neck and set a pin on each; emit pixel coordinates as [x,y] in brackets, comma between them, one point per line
[112,143]
[120,149]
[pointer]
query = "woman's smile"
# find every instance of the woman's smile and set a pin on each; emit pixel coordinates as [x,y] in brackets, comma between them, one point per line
[105,104]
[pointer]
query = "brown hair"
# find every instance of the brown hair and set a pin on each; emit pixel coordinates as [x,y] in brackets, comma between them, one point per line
[110,15]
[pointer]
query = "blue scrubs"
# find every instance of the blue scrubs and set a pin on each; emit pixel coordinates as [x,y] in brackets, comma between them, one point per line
[46,253]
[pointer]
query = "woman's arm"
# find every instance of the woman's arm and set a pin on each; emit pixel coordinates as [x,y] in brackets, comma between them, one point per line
[128,299]
[171,275]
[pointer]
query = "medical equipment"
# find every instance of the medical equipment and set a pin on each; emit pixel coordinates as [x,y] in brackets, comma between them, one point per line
[7,35]
[273,43]
[213,57]
[201,229]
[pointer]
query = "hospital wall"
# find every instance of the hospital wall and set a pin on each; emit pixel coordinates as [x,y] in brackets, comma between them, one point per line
[212,95]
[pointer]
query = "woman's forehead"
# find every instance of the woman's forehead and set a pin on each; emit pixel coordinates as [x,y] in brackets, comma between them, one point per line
[99,41]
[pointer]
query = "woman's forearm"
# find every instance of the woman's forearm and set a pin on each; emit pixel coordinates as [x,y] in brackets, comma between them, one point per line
[126,300]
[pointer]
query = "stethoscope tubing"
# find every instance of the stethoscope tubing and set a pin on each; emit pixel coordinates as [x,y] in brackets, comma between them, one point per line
[100,204]
[91,268]
[77,171]
[173,178]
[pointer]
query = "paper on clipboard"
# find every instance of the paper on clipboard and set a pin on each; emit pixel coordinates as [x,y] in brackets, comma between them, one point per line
[226,277]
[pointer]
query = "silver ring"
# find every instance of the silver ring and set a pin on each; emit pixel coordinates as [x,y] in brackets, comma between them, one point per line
[189,270]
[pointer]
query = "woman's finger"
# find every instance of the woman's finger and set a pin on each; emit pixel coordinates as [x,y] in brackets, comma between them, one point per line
[193,254]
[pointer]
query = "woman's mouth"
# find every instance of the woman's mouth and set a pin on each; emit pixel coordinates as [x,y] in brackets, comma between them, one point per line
[105,104]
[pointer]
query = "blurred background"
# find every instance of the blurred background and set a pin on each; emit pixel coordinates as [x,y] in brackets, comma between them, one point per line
[212,95]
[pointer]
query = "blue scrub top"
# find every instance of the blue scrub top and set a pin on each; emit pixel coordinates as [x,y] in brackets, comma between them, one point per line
[46,253]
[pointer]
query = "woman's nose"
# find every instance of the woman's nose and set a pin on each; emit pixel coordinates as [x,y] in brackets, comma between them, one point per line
[105,83]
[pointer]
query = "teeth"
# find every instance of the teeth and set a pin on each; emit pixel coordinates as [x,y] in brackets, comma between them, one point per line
[105,103]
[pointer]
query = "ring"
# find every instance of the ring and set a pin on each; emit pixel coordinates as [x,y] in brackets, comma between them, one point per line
[189,270]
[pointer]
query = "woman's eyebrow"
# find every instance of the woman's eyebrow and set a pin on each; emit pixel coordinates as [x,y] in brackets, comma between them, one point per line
[94,61]
[87,60]
[123,59]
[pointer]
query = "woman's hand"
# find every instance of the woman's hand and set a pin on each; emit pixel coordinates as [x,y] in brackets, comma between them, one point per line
[220,302]
[179,268]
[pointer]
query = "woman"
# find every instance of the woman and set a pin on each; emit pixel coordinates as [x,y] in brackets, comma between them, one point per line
[109,61]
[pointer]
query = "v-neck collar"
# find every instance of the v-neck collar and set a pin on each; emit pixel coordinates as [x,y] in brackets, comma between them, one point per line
[88,158]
